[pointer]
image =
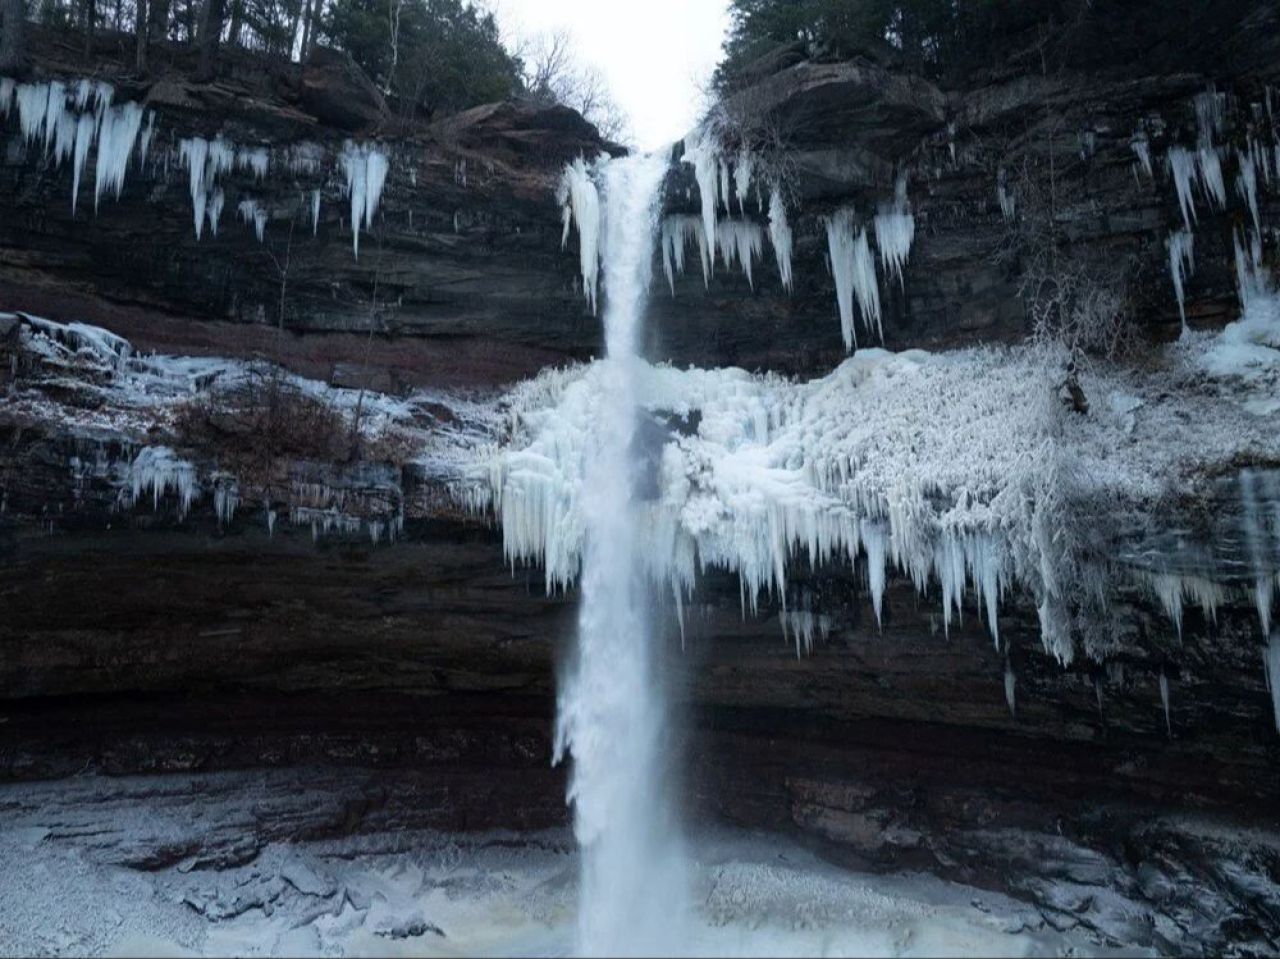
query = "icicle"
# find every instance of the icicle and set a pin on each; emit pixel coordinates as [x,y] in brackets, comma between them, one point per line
[158,469]
[271,523]
[304,157]
[1181,265]
[365,168]
[1006,199]
[1211,180]
[251,212]
[79,155]
[54,108]
[742,177]
[225,499]
[1252,281]
[315,211]
[148,133]
[1254,530]
[1272,661]
[1010,681]
[1164,700]
[1211,111]
[724,184]
[64,138]
[678,230]
[202,169]
[895,231]
[854,273]
[740,241]
[1182,165]
[255,159]
[702,154]
[33,101]
[117,133]
[214,203]
[780,235]
[1247,187]
[579,197]
[1141,148]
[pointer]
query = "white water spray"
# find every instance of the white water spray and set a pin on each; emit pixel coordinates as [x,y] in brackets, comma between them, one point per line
[611,710]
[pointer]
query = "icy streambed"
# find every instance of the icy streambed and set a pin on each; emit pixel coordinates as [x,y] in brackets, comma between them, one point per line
[433,894]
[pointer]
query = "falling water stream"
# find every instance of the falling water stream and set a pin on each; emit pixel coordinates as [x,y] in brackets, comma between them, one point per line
[611,711]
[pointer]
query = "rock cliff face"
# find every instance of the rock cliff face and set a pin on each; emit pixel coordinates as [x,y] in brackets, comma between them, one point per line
[140,640]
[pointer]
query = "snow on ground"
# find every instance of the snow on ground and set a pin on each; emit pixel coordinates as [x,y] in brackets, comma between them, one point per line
[965,469]
[432,894]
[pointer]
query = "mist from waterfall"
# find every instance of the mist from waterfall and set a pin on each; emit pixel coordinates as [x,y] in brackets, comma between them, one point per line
[611,710]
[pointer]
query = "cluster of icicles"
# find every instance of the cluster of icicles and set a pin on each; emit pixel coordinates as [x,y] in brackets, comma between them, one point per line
[724,182]
[158,472]
[1197,173]
[70,120]
[364,167]
[1199,170]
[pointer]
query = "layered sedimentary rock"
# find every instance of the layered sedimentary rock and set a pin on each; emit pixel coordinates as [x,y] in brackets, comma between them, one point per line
[323,600]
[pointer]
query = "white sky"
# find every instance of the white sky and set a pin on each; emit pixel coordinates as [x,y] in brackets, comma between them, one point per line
[657,55]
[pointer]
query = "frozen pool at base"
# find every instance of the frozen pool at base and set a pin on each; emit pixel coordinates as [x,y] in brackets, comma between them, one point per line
[431,894]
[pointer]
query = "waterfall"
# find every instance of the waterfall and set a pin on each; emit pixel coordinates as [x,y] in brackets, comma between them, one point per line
[611,712]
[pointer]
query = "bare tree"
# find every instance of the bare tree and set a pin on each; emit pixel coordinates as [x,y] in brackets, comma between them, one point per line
[13,19]
[90,17]
[208,37]
[141,29]
[393,30]
[553,74]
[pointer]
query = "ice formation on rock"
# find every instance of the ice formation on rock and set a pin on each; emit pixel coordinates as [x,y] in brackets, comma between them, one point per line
[49,113]
[580,200]
[1182,165]
[678,231]
[701,150]
[740,242]
[205,161]
[148,135]
[742,171]
[1262,544]
[216,200]
[1004,196]
[956,469]
[1010,684]
[304,157]
[895,229]
[1252,279]
[253,159]
[117,134]
[226,496]
[854,272]
[1211,113]
[365,168]
[780,235]
[315,211]
[1211,181]
[250,211]
[1247,187]
[1181,265]
[159,470]
[1141,148]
